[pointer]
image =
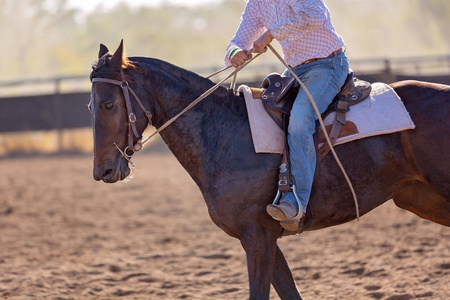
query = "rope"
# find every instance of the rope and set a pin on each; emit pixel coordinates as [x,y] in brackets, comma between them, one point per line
[217,72]
[322,125]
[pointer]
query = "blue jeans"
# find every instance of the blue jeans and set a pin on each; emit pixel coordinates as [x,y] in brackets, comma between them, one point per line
[324,79]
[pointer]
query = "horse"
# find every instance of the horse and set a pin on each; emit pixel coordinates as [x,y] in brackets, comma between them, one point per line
[213,142]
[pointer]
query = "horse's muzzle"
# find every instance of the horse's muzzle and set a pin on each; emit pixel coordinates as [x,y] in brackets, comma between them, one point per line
[111,174]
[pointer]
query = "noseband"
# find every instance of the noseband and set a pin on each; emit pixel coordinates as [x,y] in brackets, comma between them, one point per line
[126,90]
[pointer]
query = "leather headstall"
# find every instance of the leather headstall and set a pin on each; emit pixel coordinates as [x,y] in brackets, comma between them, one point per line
[126,90]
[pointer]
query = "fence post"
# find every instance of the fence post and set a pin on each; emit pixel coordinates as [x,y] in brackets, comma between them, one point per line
[58,114]
[388,75]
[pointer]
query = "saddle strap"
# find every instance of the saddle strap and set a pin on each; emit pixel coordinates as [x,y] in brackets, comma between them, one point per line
[340,119]
[284,178]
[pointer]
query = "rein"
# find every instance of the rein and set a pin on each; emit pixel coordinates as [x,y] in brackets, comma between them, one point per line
[201,97]
[126,89]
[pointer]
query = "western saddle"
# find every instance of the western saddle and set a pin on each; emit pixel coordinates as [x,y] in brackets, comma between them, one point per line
[278,94]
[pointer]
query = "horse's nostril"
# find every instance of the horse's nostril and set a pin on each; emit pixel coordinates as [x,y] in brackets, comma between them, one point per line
[107,174]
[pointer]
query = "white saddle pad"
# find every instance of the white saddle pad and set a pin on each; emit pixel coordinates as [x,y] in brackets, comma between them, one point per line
[382,113]
[267,136]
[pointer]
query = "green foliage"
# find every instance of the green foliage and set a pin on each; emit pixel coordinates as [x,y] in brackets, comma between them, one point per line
[46,38]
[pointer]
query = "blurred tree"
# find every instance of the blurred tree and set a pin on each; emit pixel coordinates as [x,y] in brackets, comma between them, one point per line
[438,11]
[34,32]
[392,28]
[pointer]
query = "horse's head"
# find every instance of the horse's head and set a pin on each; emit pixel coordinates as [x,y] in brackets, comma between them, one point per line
[118,121]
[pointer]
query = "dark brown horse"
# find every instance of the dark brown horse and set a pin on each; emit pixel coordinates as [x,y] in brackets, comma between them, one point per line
[212,141]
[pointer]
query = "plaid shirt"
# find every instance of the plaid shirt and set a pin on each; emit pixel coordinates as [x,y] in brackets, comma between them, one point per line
[303,28]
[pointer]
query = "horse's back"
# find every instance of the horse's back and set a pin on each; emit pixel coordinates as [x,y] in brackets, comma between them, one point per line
[420,90]
[427,103]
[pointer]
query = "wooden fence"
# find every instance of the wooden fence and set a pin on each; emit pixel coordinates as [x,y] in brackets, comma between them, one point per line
[58,110]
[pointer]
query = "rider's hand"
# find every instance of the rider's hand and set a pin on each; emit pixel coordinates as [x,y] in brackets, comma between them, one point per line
[239,58]
[262,42]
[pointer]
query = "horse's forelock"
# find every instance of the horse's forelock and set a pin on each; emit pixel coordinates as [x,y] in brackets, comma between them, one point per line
[99,70]
[99,63]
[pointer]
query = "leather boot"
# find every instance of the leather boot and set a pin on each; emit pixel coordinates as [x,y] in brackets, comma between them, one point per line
[285,213]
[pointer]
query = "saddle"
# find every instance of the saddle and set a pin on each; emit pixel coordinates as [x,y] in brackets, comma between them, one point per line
[278,94]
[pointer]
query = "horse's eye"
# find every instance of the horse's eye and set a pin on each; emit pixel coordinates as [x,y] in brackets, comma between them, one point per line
[109,105]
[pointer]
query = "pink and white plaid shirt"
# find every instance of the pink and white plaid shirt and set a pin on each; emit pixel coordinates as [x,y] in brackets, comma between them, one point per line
[303,28]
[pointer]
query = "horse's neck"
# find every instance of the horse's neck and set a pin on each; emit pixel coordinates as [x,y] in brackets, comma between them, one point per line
[195,137]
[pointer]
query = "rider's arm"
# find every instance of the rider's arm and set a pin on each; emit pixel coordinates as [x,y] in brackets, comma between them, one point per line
[248,31]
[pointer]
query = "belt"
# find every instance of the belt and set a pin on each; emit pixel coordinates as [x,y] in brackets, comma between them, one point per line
[314,59]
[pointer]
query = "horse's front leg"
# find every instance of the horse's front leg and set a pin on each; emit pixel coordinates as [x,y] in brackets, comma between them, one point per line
[282,280]
[260,247]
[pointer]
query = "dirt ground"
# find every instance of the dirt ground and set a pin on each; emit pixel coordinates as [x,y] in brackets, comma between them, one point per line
[65,236]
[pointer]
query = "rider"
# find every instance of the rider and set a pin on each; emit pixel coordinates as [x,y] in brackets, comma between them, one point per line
[314,50]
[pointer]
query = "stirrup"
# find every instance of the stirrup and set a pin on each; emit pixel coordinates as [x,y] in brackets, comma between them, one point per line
[300,207]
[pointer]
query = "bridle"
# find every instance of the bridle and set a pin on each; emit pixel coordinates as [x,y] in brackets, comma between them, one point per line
[132,131]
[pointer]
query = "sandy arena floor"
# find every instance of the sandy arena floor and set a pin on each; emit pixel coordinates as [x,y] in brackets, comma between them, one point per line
[65,236]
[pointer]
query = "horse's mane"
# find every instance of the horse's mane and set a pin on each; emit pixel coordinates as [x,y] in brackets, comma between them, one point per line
[139,64]
[170,70]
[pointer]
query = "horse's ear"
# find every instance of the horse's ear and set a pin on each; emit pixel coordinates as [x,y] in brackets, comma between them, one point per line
[119,59]
[103,51]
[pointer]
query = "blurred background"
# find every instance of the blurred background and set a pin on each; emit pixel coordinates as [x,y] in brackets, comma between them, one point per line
[48,47]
